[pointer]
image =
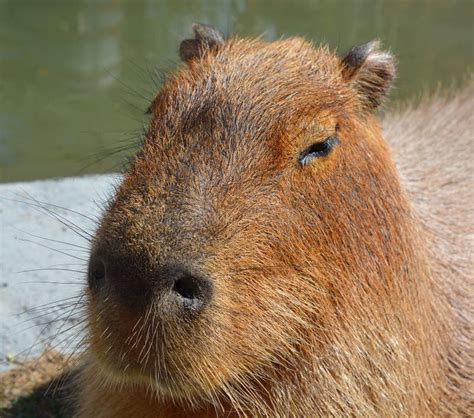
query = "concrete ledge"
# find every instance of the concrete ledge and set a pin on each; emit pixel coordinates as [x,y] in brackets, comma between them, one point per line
[44,226]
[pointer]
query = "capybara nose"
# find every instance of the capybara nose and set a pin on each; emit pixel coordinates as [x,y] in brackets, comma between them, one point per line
[176,285]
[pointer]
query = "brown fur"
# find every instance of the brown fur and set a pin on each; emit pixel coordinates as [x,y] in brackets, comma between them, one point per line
[337,290]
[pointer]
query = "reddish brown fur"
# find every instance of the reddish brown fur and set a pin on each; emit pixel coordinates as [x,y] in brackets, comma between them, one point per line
[333,294]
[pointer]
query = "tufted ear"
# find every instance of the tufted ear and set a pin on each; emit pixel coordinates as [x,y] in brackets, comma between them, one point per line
[370,70]
[205,38]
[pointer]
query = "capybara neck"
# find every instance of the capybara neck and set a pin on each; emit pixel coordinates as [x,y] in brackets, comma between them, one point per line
[264,256]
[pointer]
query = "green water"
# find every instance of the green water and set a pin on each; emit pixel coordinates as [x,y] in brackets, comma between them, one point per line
[76,76]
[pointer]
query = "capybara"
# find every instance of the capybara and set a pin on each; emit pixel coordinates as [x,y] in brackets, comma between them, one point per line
[267,255]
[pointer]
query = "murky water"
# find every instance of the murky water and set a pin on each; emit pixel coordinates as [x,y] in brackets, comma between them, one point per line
[76,76]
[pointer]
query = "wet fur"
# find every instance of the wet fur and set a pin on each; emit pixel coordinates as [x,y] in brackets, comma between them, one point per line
[341,289]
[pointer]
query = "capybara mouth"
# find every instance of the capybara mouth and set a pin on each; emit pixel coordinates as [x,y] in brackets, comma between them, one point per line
[153,373]
[135,364]
[150,346]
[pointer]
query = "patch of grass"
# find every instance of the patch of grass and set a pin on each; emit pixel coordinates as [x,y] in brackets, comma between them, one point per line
[38,388]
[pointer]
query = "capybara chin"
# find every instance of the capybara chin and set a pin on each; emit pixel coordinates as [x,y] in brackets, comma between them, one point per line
[265,256]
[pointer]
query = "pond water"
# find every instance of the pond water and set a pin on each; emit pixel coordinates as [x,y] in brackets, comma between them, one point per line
[77,76]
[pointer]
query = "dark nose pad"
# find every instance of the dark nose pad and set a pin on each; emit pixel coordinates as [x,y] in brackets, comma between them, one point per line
[179,285]
[189,289]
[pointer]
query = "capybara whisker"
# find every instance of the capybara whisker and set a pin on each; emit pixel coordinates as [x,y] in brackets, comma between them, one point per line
[51,305]
[53,269]
[69,244]
[39,244]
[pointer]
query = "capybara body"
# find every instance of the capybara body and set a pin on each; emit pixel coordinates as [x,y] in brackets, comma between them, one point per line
[264,255]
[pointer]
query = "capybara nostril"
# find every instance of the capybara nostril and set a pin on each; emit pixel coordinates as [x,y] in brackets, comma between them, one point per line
[96,273]
[191,291]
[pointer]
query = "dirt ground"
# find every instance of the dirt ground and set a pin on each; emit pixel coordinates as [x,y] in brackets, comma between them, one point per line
[39,388]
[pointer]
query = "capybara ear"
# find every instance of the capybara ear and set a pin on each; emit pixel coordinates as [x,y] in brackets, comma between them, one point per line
[370,70]
[205,38]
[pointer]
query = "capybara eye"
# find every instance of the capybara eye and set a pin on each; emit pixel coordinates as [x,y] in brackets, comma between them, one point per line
[318,149]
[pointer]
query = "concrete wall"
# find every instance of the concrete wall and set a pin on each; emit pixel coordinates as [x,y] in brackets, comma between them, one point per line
[44,227]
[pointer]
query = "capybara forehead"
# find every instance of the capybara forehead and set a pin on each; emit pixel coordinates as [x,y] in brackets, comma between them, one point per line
[251,88]
[223,131]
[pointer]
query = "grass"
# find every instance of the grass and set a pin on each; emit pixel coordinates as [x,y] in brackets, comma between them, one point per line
[38,388]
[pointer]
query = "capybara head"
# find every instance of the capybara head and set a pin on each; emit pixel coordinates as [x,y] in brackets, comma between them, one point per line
[260,216]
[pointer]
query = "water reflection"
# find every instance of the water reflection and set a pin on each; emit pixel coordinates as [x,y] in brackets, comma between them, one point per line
[76,76]
[56,59]
[74,42]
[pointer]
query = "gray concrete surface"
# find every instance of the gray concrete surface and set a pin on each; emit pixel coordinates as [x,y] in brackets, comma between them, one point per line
[44,227]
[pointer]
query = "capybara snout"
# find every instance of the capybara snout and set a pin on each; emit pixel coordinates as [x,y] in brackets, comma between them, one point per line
[181,289]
